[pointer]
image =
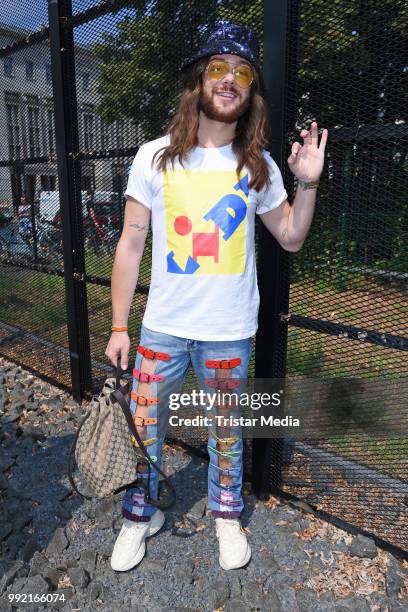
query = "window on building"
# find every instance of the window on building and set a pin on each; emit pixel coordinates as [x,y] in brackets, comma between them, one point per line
[48,182]
[50,130]
[105,135]
[89,136]
[14,130]
[8,66]
[29,69]
[86,79]
[87,183]
[34,136]
[48,73]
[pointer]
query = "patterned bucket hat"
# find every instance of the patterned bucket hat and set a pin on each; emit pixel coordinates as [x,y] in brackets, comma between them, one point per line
[228,37]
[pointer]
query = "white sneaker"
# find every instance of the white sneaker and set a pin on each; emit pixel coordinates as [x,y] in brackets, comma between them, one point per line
[235,551]
[130,545]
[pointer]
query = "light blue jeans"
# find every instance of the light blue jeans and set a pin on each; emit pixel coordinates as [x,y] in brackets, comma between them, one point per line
[225,444]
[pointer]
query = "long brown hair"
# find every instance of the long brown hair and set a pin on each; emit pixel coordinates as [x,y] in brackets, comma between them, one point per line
[251,134]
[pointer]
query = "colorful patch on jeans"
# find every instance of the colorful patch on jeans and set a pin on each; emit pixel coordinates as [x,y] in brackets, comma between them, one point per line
[138,499]
[138,503]
[143,475]
[226,500]
[230,440]
[145,442]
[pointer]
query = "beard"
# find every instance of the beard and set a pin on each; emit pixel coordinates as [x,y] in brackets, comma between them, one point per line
[225,115]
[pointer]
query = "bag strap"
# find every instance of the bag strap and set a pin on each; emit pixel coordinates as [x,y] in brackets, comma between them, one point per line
[120,398]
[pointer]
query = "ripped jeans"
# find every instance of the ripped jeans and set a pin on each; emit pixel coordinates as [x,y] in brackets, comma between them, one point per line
[221,368]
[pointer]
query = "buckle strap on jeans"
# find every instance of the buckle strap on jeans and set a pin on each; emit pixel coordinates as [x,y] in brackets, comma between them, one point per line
[152,354]
[223,363]
[144,377]
[142,400]
[145,442]
[220,383]
[141,421]
[230,440]
[227,454]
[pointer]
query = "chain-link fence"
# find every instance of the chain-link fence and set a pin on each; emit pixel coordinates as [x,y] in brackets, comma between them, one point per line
[85,83]
[344,305]
[100,78]
[33,312]
[111,94]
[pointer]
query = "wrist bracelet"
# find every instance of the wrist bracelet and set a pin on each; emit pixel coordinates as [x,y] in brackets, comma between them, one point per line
[119,328]
[305,185]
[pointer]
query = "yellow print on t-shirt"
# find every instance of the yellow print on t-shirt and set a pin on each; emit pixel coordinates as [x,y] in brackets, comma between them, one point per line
[205,221]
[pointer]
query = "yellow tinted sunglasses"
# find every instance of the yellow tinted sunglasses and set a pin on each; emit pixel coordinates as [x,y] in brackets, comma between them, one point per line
[243,75]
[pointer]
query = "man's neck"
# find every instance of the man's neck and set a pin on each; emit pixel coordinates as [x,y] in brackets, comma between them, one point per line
[214,133]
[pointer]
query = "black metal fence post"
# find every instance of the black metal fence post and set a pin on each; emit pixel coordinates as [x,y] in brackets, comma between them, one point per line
[273,261]
[67,146]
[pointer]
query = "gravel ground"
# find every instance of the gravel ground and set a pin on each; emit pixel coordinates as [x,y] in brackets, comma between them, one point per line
[54,545]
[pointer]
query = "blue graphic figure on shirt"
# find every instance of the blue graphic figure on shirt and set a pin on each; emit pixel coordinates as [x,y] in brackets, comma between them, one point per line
[172,266]
[220,214]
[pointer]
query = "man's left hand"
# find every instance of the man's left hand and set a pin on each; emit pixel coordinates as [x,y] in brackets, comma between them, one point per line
[306,161]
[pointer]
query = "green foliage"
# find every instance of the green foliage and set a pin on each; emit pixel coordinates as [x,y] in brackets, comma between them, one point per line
[140,62]
[341,52]
[361,214]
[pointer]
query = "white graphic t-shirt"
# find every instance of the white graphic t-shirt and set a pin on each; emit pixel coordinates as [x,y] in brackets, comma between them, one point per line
[203,281]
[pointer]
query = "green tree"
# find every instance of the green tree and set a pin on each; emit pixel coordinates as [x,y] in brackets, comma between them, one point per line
[140,70]
[345,68]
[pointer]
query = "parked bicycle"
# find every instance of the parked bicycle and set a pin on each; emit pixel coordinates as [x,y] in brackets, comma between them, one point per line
[12,243]
[49,241]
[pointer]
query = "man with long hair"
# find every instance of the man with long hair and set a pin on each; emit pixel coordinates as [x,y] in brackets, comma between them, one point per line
[202,184]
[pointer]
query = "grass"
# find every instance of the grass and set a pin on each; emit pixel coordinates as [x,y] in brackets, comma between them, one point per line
[100,264]
[305,362]
[36,302]
[388,456]
[24,296]
[362,304]
[349,314]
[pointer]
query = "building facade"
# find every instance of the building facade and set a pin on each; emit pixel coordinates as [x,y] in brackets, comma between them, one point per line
[27,123]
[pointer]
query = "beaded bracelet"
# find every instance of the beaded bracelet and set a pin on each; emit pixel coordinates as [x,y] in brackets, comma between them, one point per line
[306,185]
